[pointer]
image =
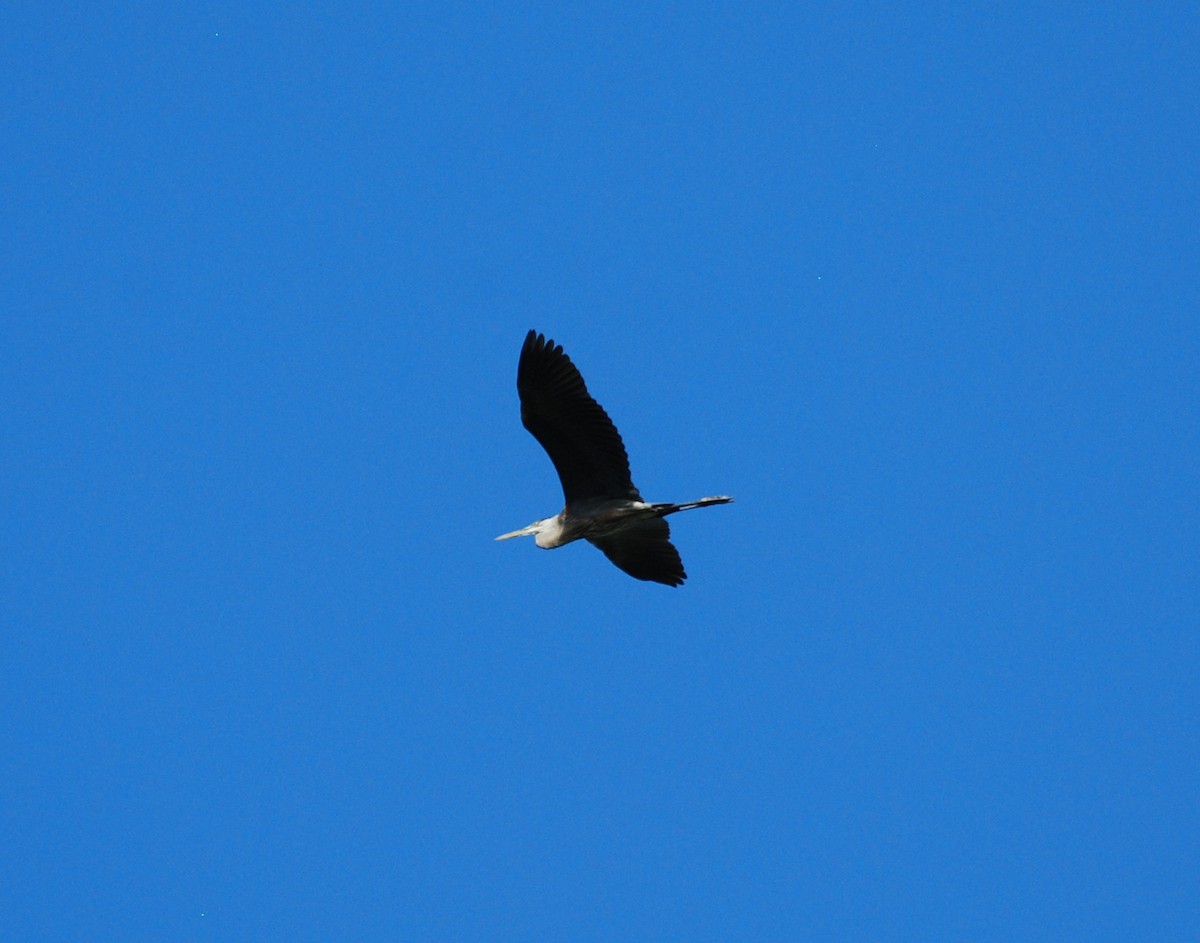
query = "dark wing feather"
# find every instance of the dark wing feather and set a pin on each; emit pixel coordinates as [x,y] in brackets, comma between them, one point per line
[644,551]
[575,431]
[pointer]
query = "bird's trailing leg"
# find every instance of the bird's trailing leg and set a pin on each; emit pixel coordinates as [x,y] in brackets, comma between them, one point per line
[665,509]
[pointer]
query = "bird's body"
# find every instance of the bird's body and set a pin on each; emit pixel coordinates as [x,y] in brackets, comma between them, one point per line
[602,504]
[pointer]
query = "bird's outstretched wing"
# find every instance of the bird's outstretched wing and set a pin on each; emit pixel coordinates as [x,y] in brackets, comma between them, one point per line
[573,428]
[644,551]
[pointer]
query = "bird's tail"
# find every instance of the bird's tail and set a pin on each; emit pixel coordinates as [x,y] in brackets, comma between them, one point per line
[665,509]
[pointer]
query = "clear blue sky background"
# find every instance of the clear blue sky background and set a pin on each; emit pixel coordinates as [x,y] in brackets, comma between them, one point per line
[916,283]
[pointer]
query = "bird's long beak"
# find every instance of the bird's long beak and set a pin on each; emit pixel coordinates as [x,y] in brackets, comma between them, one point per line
[523,532]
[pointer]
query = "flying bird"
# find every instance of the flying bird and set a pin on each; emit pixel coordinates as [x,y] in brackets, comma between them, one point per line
[602,505]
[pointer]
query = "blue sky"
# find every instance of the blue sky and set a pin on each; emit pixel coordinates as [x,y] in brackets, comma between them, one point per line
[916,283]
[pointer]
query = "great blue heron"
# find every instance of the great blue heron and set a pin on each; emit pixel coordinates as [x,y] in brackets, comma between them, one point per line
[602,505]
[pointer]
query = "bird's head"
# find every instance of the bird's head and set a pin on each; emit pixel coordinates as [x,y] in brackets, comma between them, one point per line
[547,532]
[524,531]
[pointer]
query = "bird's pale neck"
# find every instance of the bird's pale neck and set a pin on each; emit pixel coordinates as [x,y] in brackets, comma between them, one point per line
[550,533]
